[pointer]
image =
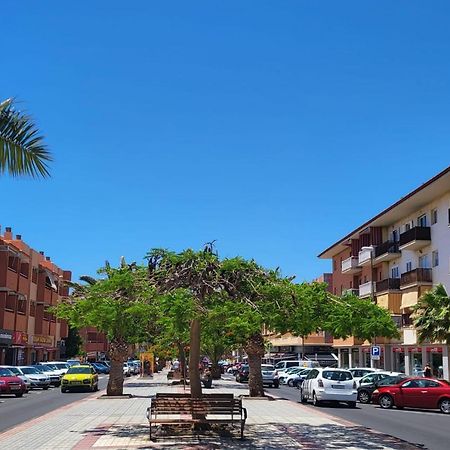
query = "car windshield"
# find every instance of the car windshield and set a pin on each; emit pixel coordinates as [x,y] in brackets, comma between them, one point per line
[14,370]
[40,369]
[49,366]
[30,371]
[336,375]
[60,366]
[6,373]
[267,367]
[46,367]
[75,370]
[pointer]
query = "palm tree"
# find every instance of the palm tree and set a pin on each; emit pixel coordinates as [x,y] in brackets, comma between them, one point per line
[432,316]
[22,151]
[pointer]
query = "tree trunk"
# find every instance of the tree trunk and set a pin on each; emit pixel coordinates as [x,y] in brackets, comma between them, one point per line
[182,359]
[215,370]
[255,351]
[118,351]
[194,360]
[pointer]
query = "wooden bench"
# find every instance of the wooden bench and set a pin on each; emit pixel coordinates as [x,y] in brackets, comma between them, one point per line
[196,411]
[188,395]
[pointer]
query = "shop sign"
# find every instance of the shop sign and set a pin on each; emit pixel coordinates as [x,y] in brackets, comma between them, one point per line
[20,338]
[398,350]
[415,349]
[434,349]
[6,337]
[45,341]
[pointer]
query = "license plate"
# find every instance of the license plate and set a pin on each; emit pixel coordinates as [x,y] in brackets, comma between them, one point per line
[338,386]
[14,388]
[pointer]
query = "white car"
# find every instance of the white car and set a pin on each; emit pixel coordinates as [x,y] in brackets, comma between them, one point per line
[359,372]
[127,370]
[37,379]
[60,366]
[283,374]
[296,378]
[335,385]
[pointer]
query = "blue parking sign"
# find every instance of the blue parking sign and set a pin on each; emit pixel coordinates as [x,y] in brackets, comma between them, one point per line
[375,351]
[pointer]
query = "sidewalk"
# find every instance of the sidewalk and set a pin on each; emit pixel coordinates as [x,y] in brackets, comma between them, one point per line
[103,424]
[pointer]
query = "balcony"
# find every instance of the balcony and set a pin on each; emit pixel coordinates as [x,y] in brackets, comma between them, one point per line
[365,256]
[350,265]
[351,291]
[389,284]
[415,238]
[416,276]
[386,251]
[366,289]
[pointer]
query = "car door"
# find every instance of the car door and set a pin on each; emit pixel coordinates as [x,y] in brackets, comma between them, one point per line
[411,394]
[431,392]
[307,384]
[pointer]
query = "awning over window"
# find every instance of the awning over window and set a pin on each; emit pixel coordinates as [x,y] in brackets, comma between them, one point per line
[51,280]
[409,299]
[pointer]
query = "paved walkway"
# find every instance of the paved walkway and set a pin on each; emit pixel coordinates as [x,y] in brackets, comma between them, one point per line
[102,424]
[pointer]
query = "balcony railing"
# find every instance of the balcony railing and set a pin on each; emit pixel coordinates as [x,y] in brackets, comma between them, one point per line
[386,247]
[415,238]
[389,284]
[415,276]
[350,265]
[351,291]
[366,289]
[365,256]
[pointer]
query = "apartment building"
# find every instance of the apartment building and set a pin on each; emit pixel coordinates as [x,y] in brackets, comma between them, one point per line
[393,259]
[29,283]
[94,344]
[317,345]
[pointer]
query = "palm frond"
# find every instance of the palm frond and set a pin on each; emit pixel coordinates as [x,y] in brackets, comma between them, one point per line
[22,150]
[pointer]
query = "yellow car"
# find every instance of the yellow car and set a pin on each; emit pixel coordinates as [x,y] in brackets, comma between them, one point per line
[82,376]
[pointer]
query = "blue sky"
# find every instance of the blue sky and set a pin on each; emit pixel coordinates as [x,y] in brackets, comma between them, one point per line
[273,127]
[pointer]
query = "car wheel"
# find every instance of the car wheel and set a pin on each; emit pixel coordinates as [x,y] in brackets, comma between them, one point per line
[351,404]
[238,379]
[276,385]
[364,397]
[444,405]
[19,394]
[302,398]
[291,383]
[63,390]
[386,401]
[315,401]
[45,388]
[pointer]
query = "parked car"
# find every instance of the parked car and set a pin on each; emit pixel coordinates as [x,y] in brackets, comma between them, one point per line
[296,379]
[283,374]
[37,379]
[126,369]
[359,372]
[371,381]
[17,373]
[242,374]
[61,366]
[423,393]
[55,377]
[282,365]
[11,384]
[270,375]
[327,384]
[73,362]
[82,376]
[100,368]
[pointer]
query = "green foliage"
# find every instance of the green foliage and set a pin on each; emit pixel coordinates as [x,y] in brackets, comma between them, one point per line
[73,343]
[121,305]
[432,316]
[22,150]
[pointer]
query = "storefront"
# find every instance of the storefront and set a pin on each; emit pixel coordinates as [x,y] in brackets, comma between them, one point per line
[6,339]
[435,359]
[43,348]
[21,348]
[398,359]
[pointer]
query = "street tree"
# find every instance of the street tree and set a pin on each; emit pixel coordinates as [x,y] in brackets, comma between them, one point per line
[22,148]
[120,304]
[431,316]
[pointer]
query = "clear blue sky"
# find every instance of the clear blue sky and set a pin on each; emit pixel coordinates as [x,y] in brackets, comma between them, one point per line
[273,127]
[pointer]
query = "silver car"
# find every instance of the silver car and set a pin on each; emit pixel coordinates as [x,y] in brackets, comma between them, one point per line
[37,379]
[270,375]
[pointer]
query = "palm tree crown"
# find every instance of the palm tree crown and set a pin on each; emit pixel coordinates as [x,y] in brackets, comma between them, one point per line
[22,151]
[432,316]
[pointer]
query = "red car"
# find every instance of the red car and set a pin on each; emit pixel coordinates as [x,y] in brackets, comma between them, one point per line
[10,384]
[425,393]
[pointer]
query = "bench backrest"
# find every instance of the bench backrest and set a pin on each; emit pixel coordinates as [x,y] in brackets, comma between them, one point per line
[196,406]
[188,395]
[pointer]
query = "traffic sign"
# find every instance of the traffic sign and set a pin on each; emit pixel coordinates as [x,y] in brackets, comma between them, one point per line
[375,352]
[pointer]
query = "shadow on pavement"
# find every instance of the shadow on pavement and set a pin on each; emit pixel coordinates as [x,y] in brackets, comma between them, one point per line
[264,436]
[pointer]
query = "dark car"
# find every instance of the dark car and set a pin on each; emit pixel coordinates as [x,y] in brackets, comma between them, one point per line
[100,368]
[242,374]
[370,382]
[423,393]
[10,384]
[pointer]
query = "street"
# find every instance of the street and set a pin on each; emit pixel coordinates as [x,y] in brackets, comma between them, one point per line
[37,402]
[429,428]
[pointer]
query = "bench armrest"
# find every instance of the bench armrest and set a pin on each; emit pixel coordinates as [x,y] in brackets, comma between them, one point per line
[244,410]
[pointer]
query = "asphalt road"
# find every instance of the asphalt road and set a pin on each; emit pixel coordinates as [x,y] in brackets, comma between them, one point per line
[427,427]
[14,411]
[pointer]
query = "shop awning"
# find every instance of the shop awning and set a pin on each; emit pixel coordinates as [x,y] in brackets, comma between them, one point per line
[409,299]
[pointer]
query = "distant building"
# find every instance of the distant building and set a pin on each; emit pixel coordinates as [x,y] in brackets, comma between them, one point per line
[29,283]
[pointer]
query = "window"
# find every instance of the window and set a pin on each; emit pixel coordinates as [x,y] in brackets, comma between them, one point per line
[22,305]
[34,275]
[422,221]
[407,226]
[13,262]
[409,266]
[11,302]
[434,217]
[431,384]
[435,258]
[24,269]
[424,262]
[406,320]
[394,272]
[335,375]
